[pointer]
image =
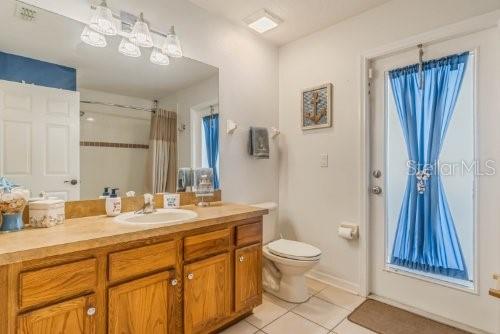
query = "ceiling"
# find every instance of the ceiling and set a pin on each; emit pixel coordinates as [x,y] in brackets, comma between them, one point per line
[56,39]
[300,17]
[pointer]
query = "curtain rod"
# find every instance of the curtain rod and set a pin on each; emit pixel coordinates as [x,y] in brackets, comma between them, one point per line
[121,105]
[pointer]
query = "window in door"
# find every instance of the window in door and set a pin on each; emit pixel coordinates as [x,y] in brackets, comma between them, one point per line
[431,170]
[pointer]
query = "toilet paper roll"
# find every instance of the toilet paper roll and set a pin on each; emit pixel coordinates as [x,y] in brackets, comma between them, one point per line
[345,232]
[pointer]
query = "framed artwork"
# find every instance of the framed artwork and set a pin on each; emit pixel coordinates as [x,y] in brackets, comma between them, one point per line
[317,107]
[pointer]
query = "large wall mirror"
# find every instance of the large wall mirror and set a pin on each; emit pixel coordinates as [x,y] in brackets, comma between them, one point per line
[76,118]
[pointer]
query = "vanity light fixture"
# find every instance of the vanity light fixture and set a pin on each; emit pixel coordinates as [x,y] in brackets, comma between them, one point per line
[158,57]
[140,34]
[134,33]
[128,48]
[172,45]
[102,20]
[262,21]
[93,38]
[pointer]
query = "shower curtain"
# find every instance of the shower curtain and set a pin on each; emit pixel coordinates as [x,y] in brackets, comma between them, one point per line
[426,238]
[161,167]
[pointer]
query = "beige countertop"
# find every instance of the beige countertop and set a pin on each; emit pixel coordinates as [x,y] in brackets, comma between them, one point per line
[91,232]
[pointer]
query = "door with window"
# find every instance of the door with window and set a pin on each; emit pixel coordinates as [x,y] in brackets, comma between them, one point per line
[426,171]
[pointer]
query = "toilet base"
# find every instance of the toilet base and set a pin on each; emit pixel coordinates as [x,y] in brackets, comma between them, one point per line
[292,289]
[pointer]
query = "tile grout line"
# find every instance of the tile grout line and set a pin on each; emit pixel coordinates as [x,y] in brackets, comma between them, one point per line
[314,322]
[314,294]
[281,316]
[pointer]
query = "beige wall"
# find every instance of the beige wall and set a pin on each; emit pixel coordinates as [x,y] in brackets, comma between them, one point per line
[314,200]
[183,101]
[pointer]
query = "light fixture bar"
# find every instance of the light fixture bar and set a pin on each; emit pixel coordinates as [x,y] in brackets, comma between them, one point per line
[129,20]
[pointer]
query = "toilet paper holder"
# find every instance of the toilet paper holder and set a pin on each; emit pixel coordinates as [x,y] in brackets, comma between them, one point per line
[354,234]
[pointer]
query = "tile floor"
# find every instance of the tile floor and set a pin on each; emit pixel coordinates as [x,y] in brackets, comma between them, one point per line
[325,312]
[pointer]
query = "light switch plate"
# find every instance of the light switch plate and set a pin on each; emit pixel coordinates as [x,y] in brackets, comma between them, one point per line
[323,160]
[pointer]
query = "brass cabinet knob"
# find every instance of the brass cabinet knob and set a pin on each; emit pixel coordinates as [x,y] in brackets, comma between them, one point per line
[173,282]
[242,258]
[190,276]
[91,311]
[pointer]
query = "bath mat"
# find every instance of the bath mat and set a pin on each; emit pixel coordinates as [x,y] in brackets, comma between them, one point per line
[386,319]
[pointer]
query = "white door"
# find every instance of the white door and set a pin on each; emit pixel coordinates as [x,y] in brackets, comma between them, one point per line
[39,139]
[472,135]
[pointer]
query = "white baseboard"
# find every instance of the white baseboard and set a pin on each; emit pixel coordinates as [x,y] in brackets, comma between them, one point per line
[333,281]
[429,315]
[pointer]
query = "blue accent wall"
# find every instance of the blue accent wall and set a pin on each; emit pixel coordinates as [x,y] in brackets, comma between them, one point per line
[32,71]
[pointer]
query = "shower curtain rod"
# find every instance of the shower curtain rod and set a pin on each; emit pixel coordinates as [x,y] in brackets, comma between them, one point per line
[121,105]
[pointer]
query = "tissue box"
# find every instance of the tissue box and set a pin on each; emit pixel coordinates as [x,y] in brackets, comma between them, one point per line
[46,213]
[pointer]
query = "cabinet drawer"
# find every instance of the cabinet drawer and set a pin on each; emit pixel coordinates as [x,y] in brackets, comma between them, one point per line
[202,245]
[248,234]
[58,282]
[143,260]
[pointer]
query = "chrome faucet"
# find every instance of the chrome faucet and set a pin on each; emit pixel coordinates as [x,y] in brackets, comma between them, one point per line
[149,204]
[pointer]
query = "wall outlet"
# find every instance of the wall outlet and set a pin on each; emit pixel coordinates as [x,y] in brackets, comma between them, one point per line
[323,160]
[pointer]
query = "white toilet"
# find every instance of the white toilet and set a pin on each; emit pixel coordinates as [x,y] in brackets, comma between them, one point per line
[285,261]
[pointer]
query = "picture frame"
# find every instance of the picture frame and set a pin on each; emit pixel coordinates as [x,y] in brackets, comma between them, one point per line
[316,107]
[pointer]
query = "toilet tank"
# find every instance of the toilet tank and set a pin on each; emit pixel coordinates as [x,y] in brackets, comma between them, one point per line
[270,221]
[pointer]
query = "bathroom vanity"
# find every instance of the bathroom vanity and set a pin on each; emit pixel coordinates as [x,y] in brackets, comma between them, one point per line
[94,275]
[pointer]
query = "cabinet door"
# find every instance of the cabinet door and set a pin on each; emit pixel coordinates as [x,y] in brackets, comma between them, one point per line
[207,293]
[144,305]
[248,277]
[74,316]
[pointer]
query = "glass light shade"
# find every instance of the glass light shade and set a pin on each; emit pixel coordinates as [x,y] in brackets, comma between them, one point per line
[102,21]
[93,38]
[172,45]
[159,58]
[129,49]
[140,34]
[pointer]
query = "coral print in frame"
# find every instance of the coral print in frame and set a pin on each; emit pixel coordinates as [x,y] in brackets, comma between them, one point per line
[317,107]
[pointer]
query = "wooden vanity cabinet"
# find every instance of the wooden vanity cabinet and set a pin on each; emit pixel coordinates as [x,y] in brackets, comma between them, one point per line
[248,277]
[75,316]
[197,281]
[143,305]
[207,293]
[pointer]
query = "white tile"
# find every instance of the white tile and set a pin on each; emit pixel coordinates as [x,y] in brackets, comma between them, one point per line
[314,286]
[347,327]
[280,302]
[265,313]
[293,323]
[341,298]
[322,312]
[241,327]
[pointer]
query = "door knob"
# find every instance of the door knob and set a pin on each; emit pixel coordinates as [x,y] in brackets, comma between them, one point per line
[190,276]
[376,190]
[173,282]
[91,311]
[242,258]
[377,174]
[73,182]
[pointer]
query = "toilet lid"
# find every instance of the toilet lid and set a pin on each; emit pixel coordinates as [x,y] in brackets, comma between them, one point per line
[293,250]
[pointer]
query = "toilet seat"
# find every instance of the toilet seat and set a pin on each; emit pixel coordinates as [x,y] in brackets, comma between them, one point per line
[294,250]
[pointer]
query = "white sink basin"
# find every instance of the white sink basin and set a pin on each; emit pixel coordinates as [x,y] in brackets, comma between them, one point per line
[160,216]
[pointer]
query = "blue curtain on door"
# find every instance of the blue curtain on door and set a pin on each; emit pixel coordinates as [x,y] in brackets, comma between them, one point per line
[426,238]
[211,128]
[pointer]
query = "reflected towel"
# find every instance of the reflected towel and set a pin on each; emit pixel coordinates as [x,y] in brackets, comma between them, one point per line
[184,179]
[258,143]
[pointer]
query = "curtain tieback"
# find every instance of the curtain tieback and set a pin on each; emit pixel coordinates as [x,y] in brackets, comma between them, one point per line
[422,176]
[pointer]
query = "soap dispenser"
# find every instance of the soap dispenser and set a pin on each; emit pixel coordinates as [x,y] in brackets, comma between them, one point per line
[105,193]
[113,204]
